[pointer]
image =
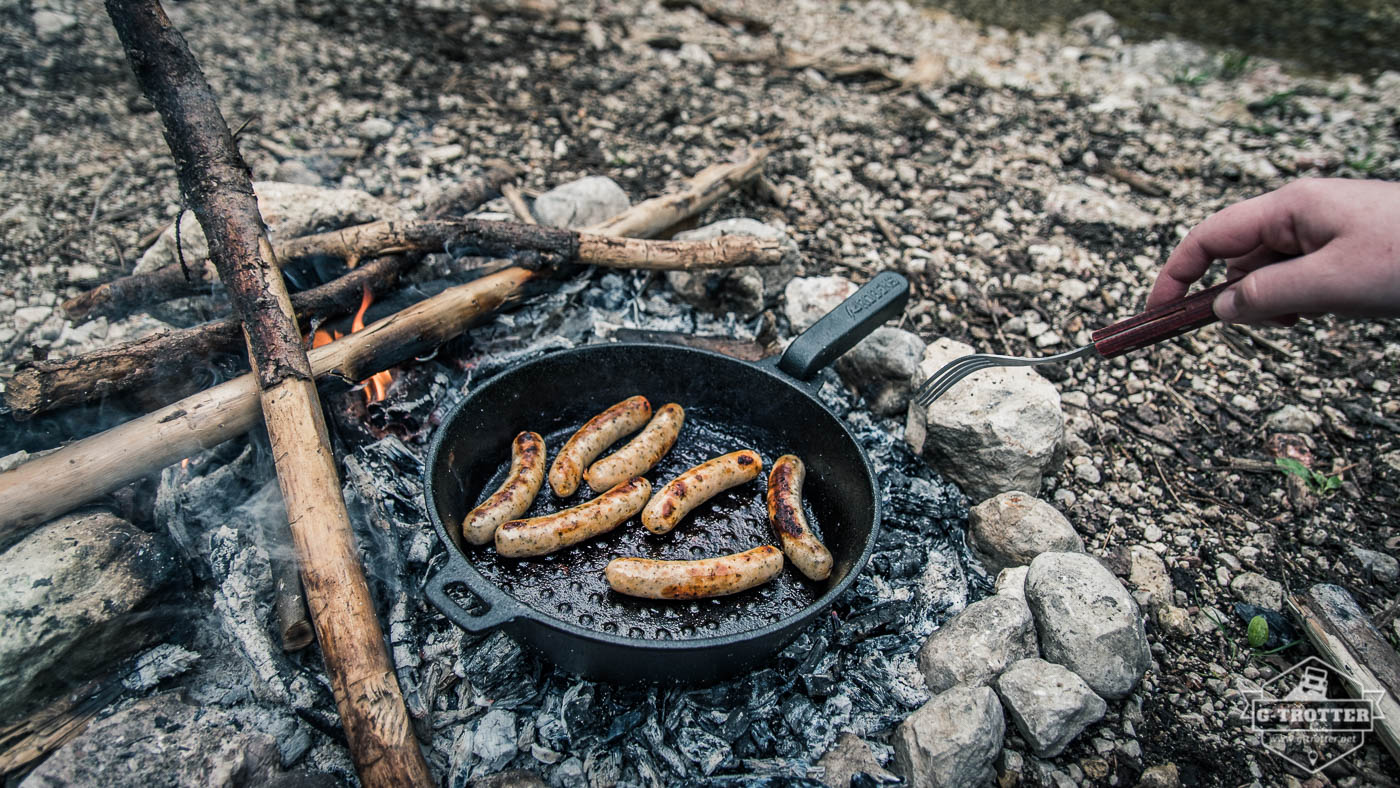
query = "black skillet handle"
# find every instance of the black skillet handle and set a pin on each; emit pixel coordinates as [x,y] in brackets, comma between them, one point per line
[839,330]
[501,610]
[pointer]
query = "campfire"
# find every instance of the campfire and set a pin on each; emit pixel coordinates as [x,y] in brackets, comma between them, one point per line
[272,564]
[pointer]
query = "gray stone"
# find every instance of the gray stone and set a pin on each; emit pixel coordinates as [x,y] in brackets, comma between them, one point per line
[69,602]
[1088,622]
[374,129]
[296,171]
[50,25]
[581,203]
[745,290]
[1073,202]
[27,317]
[978,643]
[951,740]
[882,366]
[850,756]
[288,209]
[995,431]
[1291,418]
[1012,582]
[1161,776]
[1381,566]
[1013,528]
[1148,574]
[1049,704]
[163,741]
[1255,589]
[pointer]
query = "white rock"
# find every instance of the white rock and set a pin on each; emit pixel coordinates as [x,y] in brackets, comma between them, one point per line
[997,430]
[581,203]
[807,299]
[850,755]
[374,129]
[1097,25]
[50,25]
[951,740]
[1076,203]
[26,317]
[288,209]
[1255,589]
[978,643]
[1011,582]
[442,154]
[1087,622]
[1049,704]
[1013,528]
[1086,472]
[1148,574]
[746,290]
[1292,418]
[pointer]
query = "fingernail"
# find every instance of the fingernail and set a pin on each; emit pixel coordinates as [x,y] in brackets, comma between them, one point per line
[1224,306]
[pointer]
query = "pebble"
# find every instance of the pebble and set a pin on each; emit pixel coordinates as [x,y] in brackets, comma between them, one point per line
[1379,565]
[951,740]
[1013,528]
[1255,589]
[374,129]
[978,643]
[1049,704]
[581,203]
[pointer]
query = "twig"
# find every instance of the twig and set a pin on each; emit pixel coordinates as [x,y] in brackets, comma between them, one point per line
[516,200]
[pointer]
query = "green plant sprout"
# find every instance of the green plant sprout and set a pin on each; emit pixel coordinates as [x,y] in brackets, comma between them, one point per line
[1320,483]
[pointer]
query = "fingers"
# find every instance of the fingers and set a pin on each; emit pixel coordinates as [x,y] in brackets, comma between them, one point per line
[1236,231]
[1278,293]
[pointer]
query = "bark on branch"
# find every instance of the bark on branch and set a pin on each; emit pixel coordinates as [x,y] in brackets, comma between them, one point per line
[547,245]
[142,363]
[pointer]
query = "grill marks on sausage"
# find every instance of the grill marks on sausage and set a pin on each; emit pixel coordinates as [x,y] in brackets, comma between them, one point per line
[699,484]
[516,493]
[543,535]
[785,513]
[700,579]
[601,431]
[641,453]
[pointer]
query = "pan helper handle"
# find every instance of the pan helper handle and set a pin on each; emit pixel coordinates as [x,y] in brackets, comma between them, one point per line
[878,300]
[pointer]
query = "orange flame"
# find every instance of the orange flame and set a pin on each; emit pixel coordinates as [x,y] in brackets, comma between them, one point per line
[377,386]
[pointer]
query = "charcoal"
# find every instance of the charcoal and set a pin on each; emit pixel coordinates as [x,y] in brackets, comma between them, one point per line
[706,751]
[602,768]
[494,742]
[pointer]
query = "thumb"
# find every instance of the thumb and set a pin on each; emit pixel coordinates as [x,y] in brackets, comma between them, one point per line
[1280,290]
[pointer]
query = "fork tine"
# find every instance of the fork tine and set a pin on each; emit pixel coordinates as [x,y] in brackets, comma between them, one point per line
[951,373]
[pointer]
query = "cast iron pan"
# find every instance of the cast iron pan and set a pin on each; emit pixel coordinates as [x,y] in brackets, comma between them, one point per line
[560,605]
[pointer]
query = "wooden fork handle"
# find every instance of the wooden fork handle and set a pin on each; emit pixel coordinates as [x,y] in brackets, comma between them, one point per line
[1155,325]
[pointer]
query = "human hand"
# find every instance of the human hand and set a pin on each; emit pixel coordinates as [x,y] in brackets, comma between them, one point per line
[1311,247]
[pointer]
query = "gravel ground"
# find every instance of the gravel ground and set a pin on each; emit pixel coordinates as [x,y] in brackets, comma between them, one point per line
[1030,185]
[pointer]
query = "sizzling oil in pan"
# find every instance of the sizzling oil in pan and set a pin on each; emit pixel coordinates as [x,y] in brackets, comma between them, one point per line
[569,585]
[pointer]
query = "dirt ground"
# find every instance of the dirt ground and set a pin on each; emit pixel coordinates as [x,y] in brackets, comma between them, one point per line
[1029,183]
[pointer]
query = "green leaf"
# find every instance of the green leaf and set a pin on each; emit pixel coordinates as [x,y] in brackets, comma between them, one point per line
[1290,465]
[1258,632]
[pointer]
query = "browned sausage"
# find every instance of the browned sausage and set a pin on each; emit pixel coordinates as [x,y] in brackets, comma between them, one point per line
[515,494]
[803,548]
[697,485]
[727,574]
[543,535]
[601,431]
[641,453]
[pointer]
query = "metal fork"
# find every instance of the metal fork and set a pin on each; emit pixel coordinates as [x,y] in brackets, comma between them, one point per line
[1138,331]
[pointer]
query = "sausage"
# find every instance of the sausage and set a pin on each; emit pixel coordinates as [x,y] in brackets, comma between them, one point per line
[641,453]
[727,574]
[515,494]
[803,548]
[697,485]
[601,431]
[543,535]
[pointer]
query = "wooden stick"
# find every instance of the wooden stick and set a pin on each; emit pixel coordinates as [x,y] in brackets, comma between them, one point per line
[125,294]
[288,597]
[143,364]
[1343,635]
[66,478]
[364,241]
[215,181]
[517,203]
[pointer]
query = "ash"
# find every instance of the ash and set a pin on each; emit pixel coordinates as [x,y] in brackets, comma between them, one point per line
[482,704]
